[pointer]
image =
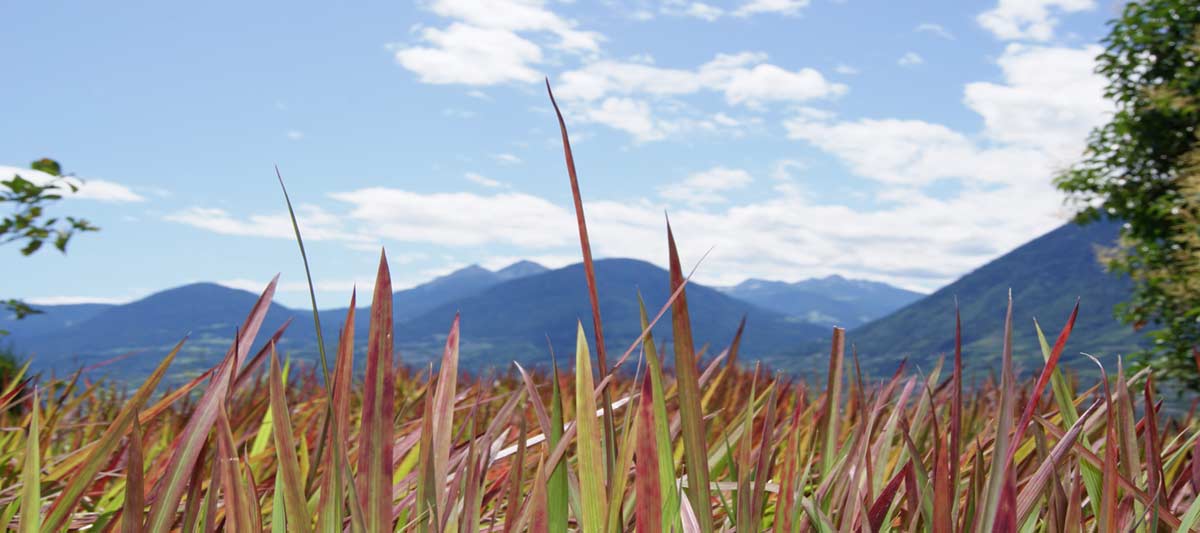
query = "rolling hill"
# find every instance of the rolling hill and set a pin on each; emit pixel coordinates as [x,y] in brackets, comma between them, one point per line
[1046,276]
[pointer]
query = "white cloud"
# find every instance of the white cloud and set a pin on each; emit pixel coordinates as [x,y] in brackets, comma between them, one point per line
[507,159]
[1050,98]
[706,187]
[1029,19]
[782,7]
[471,55]
[845,70]
[294,135]
[457,218]
[711,13]
[908,152]
[935,29]
[631,116]
[86,189]
[316,224]
[642,15]
[480,179]
[702,11]
[519,16]
[491,42]
[744,78]
[910,59]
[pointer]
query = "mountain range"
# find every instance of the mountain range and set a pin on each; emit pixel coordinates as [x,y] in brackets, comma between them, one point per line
[519,312]
[829,300]
[523,311]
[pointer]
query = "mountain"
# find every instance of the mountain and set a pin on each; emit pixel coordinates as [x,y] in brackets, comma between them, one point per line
[208,313]
[520,269]
[512,320]
[412,302]
[51,318]
[420,299]
[507,315]
[1046,276]
[828,301]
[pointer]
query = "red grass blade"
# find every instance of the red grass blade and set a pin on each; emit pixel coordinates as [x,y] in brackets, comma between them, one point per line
[649,494]
[883,502]
[691,415]
[375,437]
[833,393]
[134,509]
[1043,379]
[590,273]
[333,496]
[443,417]
[1006,512]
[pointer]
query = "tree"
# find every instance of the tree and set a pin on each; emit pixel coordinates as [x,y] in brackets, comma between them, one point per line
[29,225]
[1143,168]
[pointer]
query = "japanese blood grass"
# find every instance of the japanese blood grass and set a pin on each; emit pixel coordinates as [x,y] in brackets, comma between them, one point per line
[88,457]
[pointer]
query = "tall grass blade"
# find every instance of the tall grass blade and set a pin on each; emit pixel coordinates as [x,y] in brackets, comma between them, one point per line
[1043,379]
[590,274]
[285,452]
[333,494]
[647,481]
[691,414]
[556,487]
[443,416]
[31,472]
[374,481]
[589,446]
[833,393]
[133,511]
[668,492]
[998,475]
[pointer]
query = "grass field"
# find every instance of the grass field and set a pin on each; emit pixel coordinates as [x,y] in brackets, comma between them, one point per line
[252,445]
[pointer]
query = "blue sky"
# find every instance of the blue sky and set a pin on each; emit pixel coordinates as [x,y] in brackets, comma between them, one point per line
[905,142]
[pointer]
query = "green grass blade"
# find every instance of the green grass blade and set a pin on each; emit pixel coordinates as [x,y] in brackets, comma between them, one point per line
[999,469]
[285,454]
[669,492]
[31,472]
[589,458]
[1064,397]
[557,489]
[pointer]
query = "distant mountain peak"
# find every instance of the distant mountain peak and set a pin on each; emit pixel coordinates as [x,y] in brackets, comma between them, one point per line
[833,299]
[520,269]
